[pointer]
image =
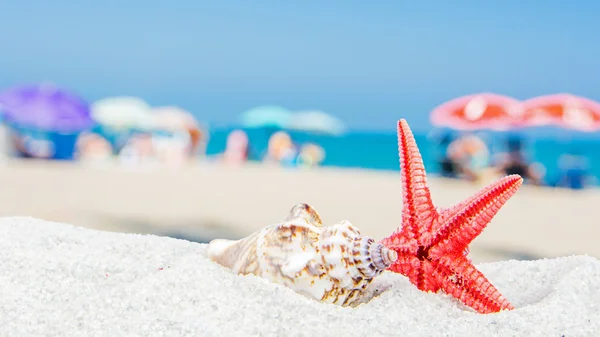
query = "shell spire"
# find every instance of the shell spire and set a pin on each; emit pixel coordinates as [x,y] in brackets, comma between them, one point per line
[382,256]
[306,213]
[333,264]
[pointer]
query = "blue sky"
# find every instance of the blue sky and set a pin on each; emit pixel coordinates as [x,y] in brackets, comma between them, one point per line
[367,62]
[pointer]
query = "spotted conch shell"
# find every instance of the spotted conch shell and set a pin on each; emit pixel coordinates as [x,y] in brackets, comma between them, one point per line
[333,264]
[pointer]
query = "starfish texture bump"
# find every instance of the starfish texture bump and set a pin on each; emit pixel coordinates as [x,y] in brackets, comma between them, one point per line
[432,243]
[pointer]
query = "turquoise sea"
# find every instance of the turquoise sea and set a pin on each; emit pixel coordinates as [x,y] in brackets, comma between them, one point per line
[379,151]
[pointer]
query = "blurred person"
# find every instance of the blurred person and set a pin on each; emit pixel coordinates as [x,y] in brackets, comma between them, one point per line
[281,149]
[199,141]
[514,161]
[448,166]
[289,156]
[471,156]
[138,150]
[172,148]
[32,146]
[237,148]
[574,171]
[18,145]
[311,155]
[6,146]
[92,147]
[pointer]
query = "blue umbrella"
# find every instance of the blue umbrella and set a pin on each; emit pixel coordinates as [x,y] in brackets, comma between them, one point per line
[266,117]
[316,121]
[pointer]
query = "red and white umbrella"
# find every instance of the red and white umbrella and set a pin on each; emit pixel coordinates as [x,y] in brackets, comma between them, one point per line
[565,110]
[175,119]
[172,118]
[478,111]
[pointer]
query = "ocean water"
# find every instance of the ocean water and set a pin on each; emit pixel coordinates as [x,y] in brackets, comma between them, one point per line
[379,151]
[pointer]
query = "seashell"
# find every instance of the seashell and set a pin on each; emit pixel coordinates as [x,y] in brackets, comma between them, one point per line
[333,264]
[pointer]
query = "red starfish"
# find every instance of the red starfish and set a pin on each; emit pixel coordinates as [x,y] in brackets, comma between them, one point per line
[432,243]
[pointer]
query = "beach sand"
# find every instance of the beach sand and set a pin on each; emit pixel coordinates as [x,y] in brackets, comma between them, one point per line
[61,280]
[205,201]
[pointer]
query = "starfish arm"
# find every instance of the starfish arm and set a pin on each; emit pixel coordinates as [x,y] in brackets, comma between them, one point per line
[459,278]
[418,210]
[448,213]
[428,279]
[460,225]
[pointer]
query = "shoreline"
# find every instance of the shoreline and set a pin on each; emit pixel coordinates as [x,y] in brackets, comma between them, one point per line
[204,201]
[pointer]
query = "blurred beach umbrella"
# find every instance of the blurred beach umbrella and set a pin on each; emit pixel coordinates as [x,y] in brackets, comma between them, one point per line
[266,117]
[564,110]
[478,111]
[122,113]
[45,107]
[174,119]
[316,121]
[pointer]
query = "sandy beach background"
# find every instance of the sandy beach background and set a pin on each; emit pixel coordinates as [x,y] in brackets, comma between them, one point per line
[205,201]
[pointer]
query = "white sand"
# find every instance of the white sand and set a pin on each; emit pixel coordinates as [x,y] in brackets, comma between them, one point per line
[60,280]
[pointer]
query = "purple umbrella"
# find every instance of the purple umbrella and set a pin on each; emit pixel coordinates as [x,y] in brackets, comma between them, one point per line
[45,107]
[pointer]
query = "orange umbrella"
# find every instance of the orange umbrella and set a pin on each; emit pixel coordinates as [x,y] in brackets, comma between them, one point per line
[478,111]
[566,110]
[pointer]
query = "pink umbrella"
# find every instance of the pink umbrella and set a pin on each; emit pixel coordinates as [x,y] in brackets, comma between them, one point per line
[566,110]
[478,111]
